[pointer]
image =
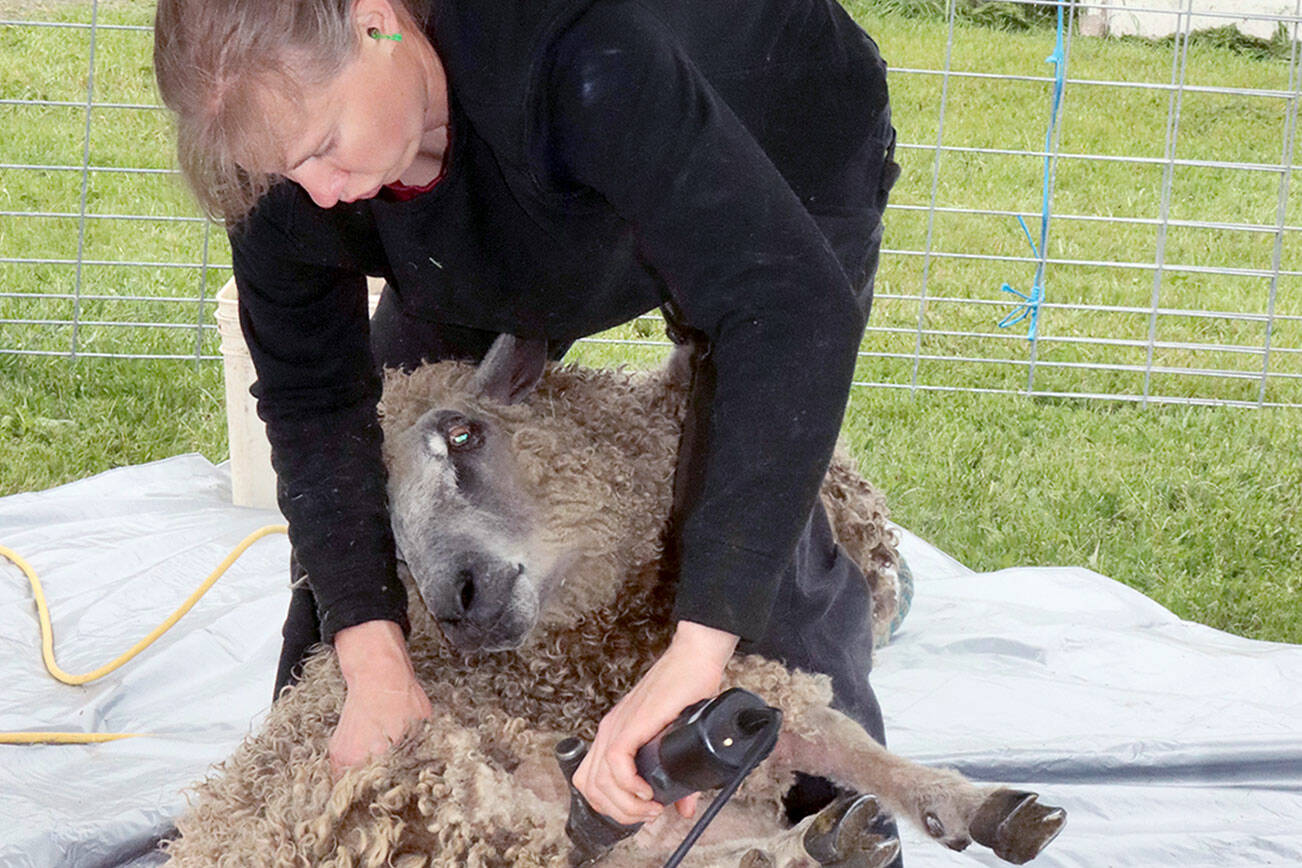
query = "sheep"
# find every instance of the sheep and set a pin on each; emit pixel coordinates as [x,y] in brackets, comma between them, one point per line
[529,507]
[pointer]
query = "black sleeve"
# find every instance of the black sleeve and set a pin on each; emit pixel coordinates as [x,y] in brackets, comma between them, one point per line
[303,311]
[632,118]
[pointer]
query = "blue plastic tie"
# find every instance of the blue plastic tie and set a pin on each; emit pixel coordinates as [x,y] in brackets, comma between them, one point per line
[1029,309]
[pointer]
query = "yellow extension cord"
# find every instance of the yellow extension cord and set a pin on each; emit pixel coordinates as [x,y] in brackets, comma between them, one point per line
[47,642]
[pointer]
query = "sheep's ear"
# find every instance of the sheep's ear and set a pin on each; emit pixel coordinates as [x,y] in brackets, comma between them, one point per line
[511,369]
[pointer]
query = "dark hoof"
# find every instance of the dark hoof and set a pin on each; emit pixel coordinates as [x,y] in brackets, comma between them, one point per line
[1015,825]
[843,835]
[757,859]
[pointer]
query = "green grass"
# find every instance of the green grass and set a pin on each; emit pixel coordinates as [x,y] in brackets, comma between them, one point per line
[1004,16]
[62,420]
[1197,507]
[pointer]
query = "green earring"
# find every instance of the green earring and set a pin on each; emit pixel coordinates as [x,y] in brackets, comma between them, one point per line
[374,33]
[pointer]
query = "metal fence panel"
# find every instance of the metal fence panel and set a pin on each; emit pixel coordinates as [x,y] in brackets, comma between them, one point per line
[1170,271]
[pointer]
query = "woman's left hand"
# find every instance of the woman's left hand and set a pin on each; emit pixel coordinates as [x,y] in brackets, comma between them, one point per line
[690,670]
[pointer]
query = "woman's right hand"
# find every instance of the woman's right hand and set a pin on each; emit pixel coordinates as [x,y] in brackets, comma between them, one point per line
[383,698]
[689,670]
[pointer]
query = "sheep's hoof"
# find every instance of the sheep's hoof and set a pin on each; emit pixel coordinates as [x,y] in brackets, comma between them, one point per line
[1015,825]
[757,859]
[843,835]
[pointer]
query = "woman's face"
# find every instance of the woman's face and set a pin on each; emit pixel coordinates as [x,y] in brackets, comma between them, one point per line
[364,128]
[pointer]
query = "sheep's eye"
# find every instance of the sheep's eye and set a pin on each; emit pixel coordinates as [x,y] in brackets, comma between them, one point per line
[460,436]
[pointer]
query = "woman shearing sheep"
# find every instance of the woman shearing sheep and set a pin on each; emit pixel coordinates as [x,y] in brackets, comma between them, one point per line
[551,168]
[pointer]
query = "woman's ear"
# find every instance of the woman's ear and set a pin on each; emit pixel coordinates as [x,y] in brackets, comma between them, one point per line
[379,15]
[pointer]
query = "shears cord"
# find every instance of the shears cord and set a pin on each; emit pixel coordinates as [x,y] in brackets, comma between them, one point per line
[47,642]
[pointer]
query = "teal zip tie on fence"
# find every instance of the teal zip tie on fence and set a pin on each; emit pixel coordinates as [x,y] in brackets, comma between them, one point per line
[1029,309]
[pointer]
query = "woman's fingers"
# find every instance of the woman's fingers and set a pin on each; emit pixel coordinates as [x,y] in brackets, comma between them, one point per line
[608,777]
[690,670]
[374,716]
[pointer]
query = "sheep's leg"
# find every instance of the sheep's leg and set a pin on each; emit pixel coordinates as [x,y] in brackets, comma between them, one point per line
[840,836]
[943,803]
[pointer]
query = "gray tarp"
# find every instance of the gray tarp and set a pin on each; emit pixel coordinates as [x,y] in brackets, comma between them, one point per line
[1169,743]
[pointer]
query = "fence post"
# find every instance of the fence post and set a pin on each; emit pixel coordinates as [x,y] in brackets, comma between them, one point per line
[85,179]
[1285,174]
[1179,65]
[203,287]
[1050,179]
[951,10]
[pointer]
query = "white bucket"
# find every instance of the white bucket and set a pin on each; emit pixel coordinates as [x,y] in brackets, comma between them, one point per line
[253,482]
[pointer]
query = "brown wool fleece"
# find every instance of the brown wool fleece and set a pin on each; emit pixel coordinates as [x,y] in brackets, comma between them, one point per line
[477,785]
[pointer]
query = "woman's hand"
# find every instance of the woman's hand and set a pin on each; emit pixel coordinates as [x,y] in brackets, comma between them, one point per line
[383,697]
[690,670]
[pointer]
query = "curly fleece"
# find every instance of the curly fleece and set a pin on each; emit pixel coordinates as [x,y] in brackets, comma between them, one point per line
[476,784]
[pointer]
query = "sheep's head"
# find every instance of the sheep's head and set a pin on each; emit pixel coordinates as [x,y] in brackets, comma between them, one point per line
[463,522]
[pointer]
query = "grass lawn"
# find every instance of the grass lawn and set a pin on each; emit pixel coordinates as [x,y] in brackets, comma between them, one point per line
[1198,507]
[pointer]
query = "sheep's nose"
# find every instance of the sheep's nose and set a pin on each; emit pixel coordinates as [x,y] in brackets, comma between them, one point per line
[481,589]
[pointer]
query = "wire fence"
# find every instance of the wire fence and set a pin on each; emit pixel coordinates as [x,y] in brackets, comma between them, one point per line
[1152,180]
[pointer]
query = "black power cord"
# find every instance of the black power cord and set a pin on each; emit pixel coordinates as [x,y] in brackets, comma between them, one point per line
[765,722]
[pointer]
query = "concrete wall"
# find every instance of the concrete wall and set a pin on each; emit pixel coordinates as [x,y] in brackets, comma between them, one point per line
[1148,18]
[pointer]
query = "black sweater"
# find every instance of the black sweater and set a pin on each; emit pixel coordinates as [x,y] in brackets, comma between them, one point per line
[606,156]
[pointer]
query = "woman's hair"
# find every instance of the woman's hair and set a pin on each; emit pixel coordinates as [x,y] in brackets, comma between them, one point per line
[218,62]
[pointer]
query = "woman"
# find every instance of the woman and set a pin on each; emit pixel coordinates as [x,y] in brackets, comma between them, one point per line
[551,168]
